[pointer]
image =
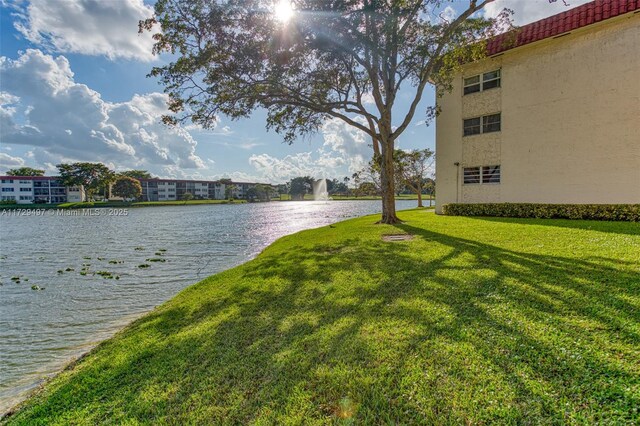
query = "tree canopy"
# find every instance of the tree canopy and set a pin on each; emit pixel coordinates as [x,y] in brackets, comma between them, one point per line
[137,174]
[25,171]
[414,167]
[127,187]
[91,176]
[346,60]
[300,186]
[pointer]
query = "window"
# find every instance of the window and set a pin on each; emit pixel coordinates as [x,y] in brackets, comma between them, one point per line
[7,180]
[490,80]
[7,189]
[484,124]
[471,175]
[25,197]
[491,174]
[471,126]
[25,189]
[8,198]
[483,175]
[491,123]
[25,182]
[472,84]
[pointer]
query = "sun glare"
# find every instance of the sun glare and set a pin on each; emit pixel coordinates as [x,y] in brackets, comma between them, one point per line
[283,10]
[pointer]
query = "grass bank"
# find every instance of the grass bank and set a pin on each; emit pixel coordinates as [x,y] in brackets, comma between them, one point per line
[473,321]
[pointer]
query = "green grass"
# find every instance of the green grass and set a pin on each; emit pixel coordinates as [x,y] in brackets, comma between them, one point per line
[474,321]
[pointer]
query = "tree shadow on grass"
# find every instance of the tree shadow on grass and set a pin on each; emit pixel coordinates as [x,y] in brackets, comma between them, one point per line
[447,330]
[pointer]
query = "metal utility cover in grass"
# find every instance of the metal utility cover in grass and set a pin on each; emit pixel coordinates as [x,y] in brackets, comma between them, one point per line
[397,237]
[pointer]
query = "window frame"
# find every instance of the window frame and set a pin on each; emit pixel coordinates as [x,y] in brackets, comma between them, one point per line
[481,82]
[467,85]
[467,126]
[486,123]
[483,177]
[482,124]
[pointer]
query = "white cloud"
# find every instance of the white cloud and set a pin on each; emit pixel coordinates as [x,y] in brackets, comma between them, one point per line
[448,14]
[526,11]
[344,151]
[90,27]
[67,121]
[351,144]
[8,162]
[282,169]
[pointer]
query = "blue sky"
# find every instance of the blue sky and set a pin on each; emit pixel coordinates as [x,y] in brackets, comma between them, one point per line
[73,87]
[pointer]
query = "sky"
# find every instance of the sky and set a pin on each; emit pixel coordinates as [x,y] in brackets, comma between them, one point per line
[73,87]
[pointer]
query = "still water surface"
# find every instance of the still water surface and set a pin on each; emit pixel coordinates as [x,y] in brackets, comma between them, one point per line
[40,331]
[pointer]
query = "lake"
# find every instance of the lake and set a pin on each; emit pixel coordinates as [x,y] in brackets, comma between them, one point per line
[62,251]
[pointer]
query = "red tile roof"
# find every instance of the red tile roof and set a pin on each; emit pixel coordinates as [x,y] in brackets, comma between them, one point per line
[572,19]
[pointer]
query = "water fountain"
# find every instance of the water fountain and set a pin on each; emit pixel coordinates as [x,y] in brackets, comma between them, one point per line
[320,190]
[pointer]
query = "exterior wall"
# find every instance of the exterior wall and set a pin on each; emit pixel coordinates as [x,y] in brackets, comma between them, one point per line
[75,194]
[570,125]
[16,189]
[171,190]
[40,189]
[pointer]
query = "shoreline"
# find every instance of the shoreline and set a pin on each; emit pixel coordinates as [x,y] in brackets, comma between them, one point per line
[35,386]
[337,321]
[139,204]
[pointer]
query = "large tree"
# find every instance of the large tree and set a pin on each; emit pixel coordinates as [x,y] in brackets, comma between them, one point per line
[300,186]
[414,167]
[25,171]
[127,187]
[346,60]
[91,176]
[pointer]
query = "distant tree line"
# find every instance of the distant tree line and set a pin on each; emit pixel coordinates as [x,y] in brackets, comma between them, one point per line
[413,171]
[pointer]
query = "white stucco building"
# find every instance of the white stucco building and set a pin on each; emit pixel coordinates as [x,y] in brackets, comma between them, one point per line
[38,189]
[552,115]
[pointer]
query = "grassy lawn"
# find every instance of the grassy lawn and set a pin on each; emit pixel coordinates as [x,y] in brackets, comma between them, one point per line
[474,321]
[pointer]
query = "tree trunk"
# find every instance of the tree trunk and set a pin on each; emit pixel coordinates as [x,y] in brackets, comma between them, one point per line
[420,197]
[387,184]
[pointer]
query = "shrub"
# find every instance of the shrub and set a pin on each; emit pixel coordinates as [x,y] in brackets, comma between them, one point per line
[618,212]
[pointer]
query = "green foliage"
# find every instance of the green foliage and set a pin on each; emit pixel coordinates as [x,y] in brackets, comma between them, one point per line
[25,171]
[127,187]
[300,186]
[187,196]
[229,189]
[315,67]
[137,174]
[616,212]
[259,192]
[414,168]
[91,176]
[480,321]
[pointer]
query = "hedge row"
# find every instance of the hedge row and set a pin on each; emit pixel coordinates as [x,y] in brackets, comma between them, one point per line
[620,212]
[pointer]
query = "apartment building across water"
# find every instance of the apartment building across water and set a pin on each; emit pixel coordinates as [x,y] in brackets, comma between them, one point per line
[175,189]
[38,190]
